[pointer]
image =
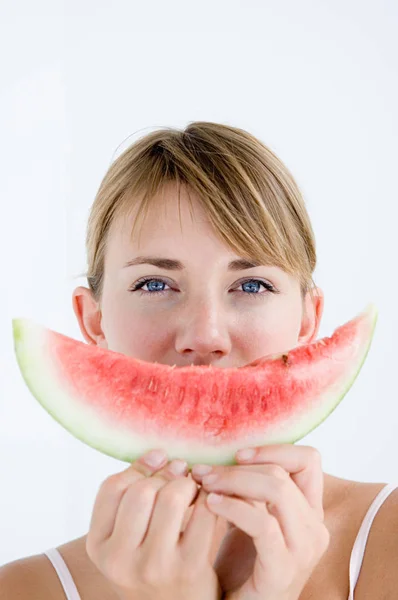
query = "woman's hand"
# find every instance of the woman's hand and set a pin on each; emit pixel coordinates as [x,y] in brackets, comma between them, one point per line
[276,504]
[135,537]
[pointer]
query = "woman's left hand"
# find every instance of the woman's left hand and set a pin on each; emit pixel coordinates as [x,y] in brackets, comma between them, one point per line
[275,498]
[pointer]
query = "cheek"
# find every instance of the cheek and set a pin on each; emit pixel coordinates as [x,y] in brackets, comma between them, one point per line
[138,330]
[130,330]
[267,333]
[143,338]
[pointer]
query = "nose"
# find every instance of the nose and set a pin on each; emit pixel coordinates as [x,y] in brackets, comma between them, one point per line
[203,334]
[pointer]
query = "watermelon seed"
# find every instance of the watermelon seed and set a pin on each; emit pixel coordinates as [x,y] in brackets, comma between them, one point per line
[181,397]
[152,384]
[215,392]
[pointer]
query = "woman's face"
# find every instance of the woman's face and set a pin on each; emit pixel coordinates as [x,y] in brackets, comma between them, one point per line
[207,311]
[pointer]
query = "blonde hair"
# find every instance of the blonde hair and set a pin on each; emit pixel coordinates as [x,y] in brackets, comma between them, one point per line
[249,195]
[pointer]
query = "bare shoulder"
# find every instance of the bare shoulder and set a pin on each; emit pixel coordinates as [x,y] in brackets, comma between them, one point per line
[30,578]
[378,577]
[347,503]
[34,577]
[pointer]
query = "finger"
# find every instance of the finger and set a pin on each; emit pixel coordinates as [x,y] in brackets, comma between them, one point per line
[282,497]
[273,470]
[134,514]
[173,469]
[268,469]
[232,475]
[303,463]
[197,539]
[137,504]
[165,525]
[254,485]
[262,527]
[111,493]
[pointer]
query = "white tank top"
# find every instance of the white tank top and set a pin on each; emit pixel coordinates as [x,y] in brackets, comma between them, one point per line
[356,559]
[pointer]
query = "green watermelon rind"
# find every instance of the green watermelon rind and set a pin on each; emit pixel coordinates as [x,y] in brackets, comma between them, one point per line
[372,314]
[44,385]
[29,336]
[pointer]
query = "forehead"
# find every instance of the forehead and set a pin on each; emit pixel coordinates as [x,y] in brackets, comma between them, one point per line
[178,230]
[167,220]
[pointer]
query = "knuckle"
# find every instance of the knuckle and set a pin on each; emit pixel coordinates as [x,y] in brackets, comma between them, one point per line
[118,482]
[271,530]
[151,573]
[109,483]
[148,574]
[113,483]
[115,570]
[314,456]
[172,495]
[277,472]
[201,509]
[190,574]
[144,491]
[280,489]
[143,499]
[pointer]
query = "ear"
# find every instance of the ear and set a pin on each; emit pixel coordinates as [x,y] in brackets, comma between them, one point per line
[312,315]
[89,316]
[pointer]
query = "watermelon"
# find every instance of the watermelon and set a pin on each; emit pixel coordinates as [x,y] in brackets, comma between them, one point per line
[124,406]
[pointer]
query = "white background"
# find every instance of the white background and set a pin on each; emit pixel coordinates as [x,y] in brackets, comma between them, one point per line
[315,80]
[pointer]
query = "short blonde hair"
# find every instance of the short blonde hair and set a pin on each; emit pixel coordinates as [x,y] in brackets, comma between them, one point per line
[249,195]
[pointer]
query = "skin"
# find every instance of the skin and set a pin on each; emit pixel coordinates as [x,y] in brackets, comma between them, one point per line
[207,315]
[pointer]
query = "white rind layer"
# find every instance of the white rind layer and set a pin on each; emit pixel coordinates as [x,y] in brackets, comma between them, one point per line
[34,359]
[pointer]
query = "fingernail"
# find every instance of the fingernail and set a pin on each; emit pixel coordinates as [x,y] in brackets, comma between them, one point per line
[201,469]
[177,466]
[154,458]
[245,454]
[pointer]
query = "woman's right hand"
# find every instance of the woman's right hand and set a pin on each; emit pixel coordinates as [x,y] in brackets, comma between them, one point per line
[135,537]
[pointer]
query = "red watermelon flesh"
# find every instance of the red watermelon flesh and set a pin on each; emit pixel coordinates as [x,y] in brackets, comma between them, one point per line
[124,406]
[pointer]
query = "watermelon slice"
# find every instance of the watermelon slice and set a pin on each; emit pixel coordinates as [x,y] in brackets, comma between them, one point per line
[123,406]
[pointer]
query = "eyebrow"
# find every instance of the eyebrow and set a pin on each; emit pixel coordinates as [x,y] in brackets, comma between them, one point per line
[176,265]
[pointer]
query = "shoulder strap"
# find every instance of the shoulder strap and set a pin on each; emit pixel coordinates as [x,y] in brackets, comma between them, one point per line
[63,573]
[358,549]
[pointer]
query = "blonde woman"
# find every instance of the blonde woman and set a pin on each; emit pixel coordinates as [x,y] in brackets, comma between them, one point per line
[218,272]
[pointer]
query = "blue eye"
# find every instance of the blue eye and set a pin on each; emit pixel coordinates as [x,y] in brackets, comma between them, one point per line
[152,292]
[254,283]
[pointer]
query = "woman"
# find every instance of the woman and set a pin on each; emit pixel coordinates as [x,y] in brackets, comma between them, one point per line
[220,274]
